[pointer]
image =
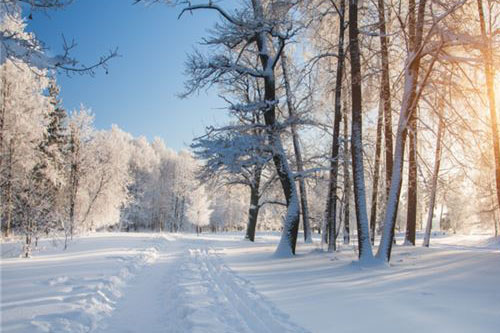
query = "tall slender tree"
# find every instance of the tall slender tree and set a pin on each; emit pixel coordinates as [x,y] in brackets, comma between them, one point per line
[297,149]
[363,228]
[331,204]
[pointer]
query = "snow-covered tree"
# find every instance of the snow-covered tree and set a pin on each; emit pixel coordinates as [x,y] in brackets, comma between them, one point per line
[198,209]
[254,28]
[23,116]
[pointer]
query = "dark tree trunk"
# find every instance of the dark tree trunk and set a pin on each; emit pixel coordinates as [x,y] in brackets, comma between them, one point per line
[409,104]
[253,210]
[331,204]
[73,183]
[347,182]
[363,228]
[291,225]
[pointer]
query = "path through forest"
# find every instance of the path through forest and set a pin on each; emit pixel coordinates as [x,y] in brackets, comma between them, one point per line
[190,289]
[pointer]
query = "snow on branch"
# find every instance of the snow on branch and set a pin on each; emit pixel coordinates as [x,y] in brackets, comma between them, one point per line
[230,151]
[211,6]
[204,72]
[25,47]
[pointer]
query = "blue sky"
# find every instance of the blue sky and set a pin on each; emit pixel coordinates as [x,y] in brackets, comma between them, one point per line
[139,93]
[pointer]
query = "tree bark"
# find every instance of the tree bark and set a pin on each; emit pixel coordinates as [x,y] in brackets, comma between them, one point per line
[412,69]
[297,151]
[385,94]
[364,245]
[347,182]
[331,204]
[253,210]
[8,188]
[3,107]
[291,225]
[411,217]
[490,75]
[73,183]
[435,174]
[376,172]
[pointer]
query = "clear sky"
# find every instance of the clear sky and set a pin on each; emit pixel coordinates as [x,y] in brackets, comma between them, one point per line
[139,93]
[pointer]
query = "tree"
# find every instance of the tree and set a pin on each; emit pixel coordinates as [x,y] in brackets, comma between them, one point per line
[435,174]
[80,130]
[237,153]
[413,88]
[297,149]
[22,120]
[253,26]
[364,245]
[198,211]
[331,204]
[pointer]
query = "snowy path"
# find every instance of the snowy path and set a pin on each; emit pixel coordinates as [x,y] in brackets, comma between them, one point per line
[190,289]
[142,308]
[139,282]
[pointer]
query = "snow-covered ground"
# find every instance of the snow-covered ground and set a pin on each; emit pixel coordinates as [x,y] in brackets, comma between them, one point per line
[138,282]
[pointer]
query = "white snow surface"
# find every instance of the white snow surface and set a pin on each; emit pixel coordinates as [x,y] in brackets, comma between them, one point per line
[140,282]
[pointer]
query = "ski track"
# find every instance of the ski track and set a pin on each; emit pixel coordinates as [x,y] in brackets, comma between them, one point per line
[212,298]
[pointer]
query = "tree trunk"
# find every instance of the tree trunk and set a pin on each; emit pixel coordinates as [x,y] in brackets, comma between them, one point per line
[385,94]
[331,204]
[3,107]
[376,172]
[363,228]
[288,240]
[347,182]
[253,211]
[8,188]
[73,184]
[435,174]
[411,217]
[297,151]
[490,76]
[181,213]
[412,69]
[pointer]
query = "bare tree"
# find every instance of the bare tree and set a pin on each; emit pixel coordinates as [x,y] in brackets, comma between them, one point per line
[363,228]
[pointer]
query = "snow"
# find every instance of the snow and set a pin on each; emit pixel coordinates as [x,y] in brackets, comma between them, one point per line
[137,282]
[59,291]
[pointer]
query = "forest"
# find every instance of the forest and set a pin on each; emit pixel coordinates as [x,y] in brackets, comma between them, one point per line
[354,127]
[344,120]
